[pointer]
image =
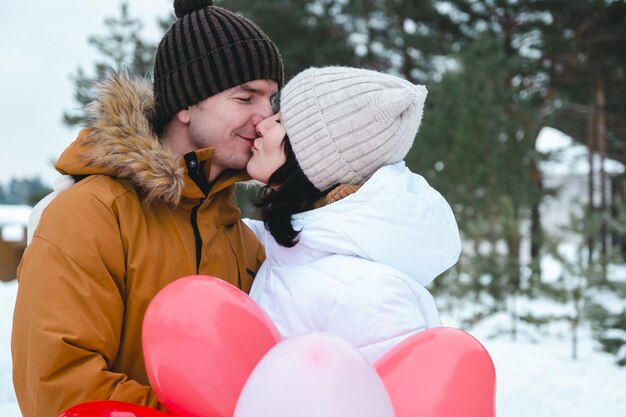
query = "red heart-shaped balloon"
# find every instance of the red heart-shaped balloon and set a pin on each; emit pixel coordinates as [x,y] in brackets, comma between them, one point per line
[202,337]
[111,409]
[440,372]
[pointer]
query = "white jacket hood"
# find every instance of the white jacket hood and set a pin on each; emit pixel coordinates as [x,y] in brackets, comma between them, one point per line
[395,219]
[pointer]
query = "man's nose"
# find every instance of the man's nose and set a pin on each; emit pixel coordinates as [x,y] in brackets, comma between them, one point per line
[264,111]
[261,126]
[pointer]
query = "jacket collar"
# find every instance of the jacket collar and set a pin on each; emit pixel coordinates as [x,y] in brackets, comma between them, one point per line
[119,142]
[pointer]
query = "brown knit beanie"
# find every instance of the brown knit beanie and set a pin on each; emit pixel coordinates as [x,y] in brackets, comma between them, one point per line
[208,50]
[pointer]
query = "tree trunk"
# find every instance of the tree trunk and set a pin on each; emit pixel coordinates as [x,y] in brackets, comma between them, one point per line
[591,145]
[618,237]
[407,64]
[601,103]
[575,338]
[536,233]
[577,297]
[513,242]
[514,317]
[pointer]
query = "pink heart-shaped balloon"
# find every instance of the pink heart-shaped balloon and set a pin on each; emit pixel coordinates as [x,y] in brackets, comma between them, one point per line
[111,409]
[440,372]
[314,375]
[202,337]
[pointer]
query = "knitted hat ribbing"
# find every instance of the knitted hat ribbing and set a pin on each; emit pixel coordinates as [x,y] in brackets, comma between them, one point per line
[208,50]
[345,123]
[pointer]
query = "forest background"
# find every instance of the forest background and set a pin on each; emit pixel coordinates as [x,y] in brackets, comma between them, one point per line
[498,72]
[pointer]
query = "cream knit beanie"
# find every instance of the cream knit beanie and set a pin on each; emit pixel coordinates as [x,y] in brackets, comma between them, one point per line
[345,123]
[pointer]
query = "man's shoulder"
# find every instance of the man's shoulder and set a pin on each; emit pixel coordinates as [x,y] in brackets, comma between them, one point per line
[89,205]
[102,187]
[96,188]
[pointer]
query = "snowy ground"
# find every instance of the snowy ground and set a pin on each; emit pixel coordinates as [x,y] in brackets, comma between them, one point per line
[8,405]
[535,379]
[539,378]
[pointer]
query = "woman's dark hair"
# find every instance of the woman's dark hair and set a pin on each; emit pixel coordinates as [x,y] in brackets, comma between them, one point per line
[288,192]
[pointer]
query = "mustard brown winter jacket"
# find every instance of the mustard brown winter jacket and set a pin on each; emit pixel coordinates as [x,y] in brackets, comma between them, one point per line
[106,246]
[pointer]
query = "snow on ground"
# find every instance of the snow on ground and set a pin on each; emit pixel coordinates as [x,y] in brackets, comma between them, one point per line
[535,379]
[8,404]
[540,379]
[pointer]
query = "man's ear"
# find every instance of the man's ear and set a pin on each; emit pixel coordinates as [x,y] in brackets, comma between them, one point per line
[184,116]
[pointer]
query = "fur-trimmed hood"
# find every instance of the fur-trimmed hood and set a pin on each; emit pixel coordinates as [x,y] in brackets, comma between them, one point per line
[119,142]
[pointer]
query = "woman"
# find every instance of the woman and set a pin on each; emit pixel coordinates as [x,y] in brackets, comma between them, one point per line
[351,235]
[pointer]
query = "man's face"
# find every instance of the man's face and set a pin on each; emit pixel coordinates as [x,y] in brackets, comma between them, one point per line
[227,122]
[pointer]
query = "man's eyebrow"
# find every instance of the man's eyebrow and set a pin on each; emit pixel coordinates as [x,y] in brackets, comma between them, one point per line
[250,89]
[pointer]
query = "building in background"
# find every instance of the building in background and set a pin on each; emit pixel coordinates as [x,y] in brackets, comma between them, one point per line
[13,221]
[566,171]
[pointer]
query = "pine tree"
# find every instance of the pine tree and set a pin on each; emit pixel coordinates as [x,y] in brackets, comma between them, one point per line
[121,48]
[609,324]
[23,191]
[609,321]
[516,25]
[582,56]
[471,148]
[582,278]
[4,199]
[410,38]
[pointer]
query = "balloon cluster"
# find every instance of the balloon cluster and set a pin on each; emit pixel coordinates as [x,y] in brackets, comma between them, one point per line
[210,351]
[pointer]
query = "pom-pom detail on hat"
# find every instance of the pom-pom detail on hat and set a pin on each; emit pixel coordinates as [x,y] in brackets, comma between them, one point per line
[184,7]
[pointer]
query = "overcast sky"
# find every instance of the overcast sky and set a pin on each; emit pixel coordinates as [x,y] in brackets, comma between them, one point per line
[42,43]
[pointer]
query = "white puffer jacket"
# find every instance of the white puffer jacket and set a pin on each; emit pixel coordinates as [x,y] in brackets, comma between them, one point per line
[361,264]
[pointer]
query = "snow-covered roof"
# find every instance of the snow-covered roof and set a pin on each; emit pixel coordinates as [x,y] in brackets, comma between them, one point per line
[568,157]
[14,214]
[13,221]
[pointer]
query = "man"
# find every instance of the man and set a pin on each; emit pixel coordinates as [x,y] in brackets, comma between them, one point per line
[156,170]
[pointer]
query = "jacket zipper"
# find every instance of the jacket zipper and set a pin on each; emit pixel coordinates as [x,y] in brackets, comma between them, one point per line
[196,173]
[196,233]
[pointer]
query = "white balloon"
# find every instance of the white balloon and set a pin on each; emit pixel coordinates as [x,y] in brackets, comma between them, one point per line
[314,375]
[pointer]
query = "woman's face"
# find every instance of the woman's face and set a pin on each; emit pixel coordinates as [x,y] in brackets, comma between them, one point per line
[268,153]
